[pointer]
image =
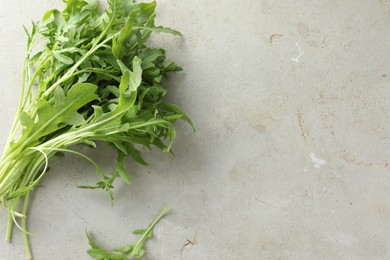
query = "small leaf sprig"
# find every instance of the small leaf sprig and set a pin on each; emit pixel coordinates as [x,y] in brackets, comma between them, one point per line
[134,250]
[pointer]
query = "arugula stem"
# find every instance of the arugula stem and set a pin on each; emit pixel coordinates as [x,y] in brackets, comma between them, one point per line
[11,176]
[97,72]
[11,219]
[24,226]
[16,119]
[79,154]
[155,221]
[10,224]
[31,83]
[22,102]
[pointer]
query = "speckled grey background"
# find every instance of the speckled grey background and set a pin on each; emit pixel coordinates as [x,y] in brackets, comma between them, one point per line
[291,156]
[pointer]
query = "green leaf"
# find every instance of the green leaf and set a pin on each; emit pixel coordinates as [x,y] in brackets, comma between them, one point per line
[140,232]
[120,168]
[100,253]
[135,76]
[62,58]
[26,120]
[119,43]
[159,29]
[135,154]
[105,184]
[91,241]
[63,110]
[145,11]
[175,110]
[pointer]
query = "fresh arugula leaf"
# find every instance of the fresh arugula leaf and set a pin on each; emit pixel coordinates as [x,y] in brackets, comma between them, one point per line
[119,42]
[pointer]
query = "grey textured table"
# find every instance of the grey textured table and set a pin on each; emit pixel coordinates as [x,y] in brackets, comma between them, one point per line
[291,156]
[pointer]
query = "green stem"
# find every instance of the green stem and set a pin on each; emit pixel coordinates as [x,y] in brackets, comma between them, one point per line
[41,65]
[97,72]
[10,225]
[24,226]
[11,175]
[148,230]
[10,219]
[22,103]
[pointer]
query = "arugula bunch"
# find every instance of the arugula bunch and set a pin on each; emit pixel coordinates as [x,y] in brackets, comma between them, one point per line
[88,76]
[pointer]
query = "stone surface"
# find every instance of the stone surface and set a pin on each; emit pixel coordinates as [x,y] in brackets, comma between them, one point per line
[291,156]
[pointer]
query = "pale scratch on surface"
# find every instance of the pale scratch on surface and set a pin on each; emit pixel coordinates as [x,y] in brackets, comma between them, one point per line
[267,203]
[301,122]
[314,161]
[159,235]
[341,239]
[174,227]
[300,53]
[353,160]
[158,232]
